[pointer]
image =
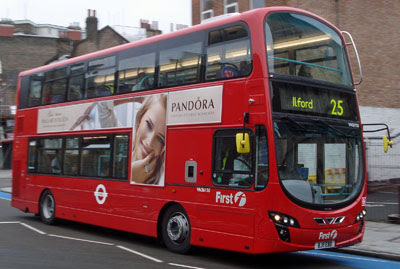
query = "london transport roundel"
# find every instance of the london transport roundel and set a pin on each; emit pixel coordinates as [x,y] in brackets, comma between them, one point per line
[101,194]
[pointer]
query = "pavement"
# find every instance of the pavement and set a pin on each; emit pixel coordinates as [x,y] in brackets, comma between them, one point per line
[381,239]
[5,180]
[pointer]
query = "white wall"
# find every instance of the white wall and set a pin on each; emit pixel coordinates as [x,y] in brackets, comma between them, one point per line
[382,166]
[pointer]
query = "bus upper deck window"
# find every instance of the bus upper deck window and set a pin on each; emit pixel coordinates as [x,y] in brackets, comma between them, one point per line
[35,89]
[100,77]
[299,45]
[54,88]
[228,53]
[136,73]
[180,65]
[76,84]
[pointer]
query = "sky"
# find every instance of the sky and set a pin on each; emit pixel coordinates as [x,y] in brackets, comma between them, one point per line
[113,12]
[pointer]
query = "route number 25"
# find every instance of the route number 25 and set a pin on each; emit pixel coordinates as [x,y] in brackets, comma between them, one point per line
[337,107]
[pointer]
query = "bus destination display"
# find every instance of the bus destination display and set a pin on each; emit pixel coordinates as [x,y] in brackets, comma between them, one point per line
[299,99]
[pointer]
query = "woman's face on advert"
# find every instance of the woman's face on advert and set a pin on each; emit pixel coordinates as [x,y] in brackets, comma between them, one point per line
[150,135]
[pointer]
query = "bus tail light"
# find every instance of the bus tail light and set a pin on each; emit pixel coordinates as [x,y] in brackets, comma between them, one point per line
[282,223]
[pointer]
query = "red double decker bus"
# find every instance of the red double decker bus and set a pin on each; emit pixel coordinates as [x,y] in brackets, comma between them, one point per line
[242,134]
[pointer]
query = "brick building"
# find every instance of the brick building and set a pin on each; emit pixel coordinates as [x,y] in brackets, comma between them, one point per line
[374,26]
[105,38]
[18,53]
[96,39]
[25,45]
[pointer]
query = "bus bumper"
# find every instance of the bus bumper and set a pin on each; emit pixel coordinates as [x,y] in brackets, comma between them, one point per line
[307,239]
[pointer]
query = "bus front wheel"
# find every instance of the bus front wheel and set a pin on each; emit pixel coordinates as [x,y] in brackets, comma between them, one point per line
[47,208]
[176,230]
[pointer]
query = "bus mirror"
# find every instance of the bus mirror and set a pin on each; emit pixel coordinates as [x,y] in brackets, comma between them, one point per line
[242,143]
[386,144]
[386,139]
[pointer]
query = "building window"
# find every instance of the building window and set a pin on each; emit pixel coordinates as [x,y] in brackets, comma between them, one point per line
[206,8]
[231,6]
[257,4]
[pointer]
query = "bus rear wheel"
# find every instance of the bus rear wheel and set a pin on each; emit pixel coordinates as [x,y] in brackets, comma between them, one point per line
[176,230]
[47,208]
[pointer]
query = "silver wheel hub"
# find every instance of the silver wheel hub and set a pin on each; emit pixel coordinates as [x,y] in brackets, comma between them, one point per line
[178,228]
[48,207]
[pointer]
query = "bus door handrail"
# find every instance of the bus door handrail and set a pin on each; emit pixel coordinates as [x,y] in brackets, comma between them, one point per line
[355,50]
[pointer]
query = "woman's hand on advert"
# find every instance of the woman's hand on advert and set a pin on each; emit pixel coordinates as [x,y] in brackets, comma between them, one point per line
[85,116]
[143,169]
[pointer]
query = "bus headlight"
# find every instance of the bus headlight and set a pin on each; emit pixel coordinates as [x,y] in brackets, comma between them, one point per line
[361,216]
[282,223]
[283,219]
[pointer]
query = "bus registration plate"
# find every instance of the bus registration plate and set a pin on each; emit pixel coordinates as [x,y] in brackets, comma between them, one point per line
[324,244]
